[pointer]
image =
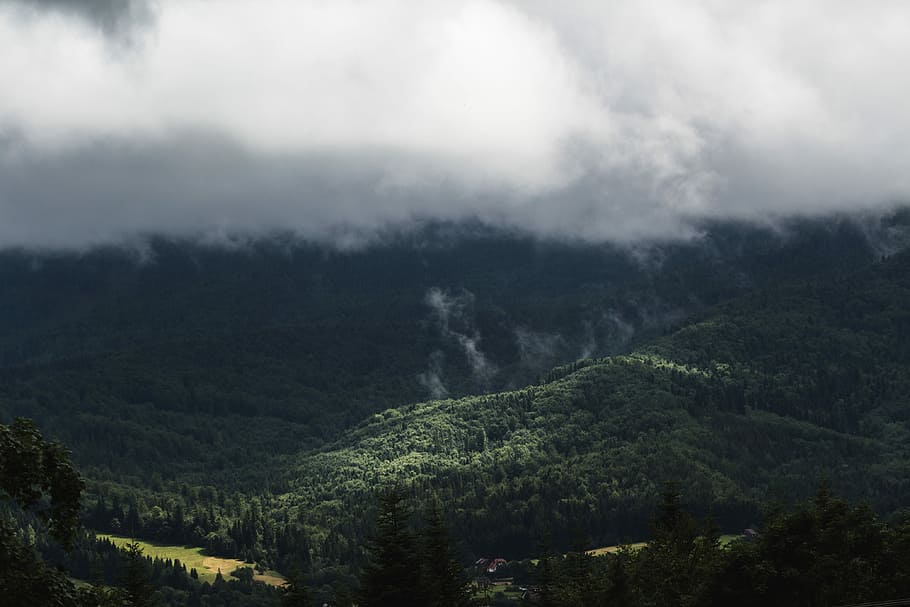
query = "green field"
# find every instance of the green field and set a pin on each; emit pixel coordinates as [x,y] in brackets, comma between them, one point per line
[611,549]
[195,558]
[497,590]
[724,540]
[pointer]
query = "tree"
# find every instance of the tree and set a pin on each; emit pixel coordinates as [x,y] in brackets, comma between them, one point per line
[390,577]
[99,595]
[442,579]
[38,477]
[32,469]
[136,583]
[681,556]
[826,552]
[295,592]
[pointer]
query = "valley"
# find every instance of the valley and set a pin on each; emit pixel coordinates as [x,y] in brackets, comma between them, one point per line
[454,304]
[252,444]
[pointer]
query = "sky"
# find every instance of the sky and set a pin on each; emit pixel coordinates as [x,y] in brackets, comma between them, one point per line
[599,120]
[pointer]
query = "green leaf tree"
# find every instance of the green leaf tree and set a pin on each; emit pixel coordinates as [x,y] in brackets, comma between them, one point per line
[36,475]
[295,592]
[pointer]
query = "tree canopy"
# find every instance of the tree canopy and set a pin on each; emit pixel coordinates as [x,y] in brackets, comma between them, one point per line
[36,477]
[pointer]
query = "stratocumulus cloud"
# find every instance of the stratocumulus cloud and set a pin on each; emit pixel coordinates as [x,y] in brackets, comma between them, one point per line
[589,119]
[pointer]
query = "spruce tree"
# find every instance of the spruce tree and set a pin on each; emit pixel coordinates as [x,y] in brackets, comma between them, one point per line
[679,556]
[392,574]
[136,583]
[443,582]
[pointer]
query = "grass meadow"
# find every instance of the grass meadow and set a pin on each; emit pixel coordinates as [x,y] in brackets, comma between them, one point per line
[194,557]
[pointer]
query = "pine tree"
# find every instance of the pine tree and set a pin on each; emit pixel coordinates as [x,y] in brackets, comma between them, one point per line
[392,574]
[443,582]
[136,582]
[679,555]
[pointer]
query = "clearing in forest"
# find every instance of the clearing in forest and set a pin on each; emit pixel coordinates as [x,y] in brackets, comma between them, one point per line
[194,557]
[724,540]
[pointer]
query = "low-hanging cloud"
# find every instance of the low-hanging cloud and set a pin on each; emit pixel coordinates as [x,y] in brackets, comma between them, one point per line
[454,316]
[538,349]
[432,378]
[597,120]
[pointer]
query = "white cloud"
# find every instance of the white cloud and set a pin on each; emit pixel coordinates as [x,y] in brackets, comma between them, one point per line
[478,90]
[598,119]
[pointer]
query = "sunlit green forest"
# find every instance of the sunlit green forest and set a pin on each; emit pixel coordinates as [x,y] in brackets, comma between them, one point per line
[254,402]
[186,360]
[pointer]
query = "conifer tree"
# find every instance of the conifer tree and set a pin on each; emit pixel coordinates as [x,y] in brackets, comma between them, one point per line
[443,582]
[136,583]
[393,572]
[663,562]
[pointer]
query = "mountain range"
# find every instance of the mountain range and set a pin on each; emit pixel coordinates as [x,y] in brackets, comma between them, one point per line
[253,396]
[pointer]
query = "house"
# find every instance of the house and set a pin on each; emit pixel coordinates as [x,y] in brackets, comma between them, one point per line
[489,565]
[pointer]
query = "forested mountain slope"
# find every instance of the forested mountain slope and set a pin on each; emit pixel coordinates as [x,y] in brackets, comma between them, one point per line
[261,427]
[761,399]
[181,362]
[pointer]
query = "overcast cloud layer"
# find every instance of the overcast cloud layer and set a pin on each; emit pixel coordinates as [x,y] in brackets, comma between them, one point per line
[617,120]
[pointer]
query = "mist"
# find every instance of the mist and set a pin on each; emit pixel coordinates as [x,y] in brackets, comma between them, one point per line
[600,121]
[453,314]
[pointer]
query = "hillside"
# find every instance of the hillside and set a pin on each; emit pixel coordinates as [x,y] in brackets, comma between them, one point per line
[267,436]
[173,361]
[761,399]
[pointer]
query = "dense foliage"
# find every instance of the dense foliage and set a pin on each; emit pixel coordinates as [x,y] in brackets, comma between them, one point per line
[35,477]
[826,552]
[209,365]
[408,569]
[761,399]
[243,404]
[43,546]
